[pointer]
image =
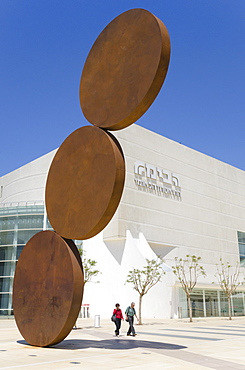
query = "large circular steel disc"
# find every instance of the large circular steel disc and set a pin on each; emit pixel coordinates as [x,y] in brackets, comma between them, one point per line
[124,70]
[48,289]
[85,183]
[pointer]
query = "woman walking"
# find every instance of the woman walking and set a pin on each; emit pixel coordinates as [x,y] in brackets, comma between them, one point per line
[119,316]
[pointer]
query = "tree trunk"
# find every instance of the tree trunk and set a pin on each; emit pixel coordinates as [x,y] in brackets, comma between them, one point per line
[190,308]
[229,307]
[140,302]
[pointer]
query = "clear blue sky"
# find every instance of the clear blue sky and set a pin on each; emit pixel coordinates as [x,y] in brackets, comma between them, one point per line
[43,47]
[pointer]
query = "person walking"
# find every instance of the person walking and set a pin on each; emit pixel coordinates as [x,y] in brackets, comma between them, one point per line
[119,317]
[130,313]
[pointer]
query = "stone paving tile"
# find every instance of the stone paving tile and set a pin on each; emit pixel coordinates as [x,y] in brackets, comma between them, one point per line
[165,344]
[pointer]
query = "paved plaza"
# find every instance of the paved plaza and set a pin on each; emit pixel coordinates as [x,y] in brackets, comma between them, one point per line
[207,343]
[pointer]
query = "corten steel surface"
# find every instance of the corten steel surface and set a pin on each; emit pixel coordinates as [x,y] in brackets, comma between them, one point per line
[85,183]
[48,289]
[122,76]
[124,70]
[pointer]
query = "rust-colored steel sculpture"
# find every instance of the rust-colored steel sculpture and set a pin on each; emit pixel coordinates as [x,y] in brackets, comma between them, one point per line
[85,183]
[122,76]
[124,70]
[48,289]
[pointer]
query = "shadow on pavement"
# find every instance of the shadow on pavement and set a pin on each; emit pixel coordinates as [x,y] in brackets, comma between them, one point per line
[116,344]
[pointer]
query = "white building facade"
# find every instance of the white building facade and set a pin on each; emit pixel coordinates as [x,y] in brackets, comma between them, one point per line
[176,201]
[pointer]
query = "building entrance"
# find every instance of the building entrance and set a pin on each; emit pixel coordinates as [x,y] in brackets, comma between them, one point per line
[211,303]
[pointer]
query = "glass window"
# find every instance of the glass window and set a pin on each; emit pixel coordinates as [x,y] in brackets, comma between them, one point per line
[5,284]
[237,300]
[242,261]
[4,300]
[182,309]
[6,237]
[30,222]
[213,300]
[48,225]
[211,303]
[241,237]
[17,225]
[7,253]
[197,303]
[25,210]
[8,211]
[242,249]
[8,223]
[25,235]
[241,244]
[223,304]
[7,268]
[19,250]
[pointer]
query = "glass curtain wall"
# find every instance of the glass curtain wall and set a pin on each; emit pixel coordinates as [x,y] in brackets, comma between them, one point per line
[197,303]
[241,244]
[17,225]
[211,303]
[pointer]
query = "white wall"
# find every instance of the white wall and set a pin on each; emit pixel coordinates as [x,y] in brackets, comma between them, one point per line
[204,221]
[114,267]
[27,183]
[211,208]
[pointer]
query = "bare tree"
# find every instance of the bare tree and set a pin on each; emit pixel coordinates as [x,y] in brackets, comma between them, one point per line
[187,271]
[88,266]
[229,280]
[144,280]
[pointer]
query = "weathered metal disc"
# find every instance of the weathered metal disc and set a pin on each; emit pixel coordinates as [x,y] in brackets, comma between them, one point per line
[124,70]
[48,289]
[85,183]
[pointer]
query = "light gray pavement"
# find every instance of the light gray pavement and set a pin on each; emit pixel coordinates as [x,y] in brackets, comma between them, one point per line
[207,343]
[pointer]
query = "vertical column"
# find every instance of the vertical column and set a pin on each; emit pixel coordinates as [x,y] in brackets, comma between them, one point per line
[232,307]
[243,301]
[44,219]
[204,303]
[219,307]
